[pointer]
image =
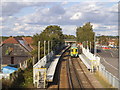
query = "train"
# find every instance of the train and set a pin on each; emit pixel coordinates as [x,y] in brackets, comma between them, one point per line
[74,51]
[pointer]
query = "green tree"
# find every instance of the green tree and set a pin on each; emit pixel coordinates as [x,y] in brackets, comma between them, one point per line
[103,40]
[85,33]
[69,36]
[51,33]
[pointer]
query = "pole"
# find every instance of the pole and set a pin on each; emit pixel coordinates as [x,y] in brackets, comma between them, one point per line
[87,44]
[119,42]
[94,45]
[44,47]
[90,46]
[83,44]
[51,45]
[38,50]
[48,46]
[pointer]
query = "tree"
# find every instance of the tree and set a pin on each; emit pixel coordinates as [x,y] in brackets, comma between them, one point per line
[69,36]
[51,33]
[85,33]
[103,40]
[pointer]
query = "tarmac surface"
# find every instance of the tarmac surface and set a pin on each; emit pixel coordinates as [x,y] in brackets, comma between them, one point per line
[109,58]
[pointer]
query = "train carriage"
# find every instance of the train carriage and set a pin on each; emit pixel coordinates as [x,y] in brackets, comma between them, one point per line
[74,52]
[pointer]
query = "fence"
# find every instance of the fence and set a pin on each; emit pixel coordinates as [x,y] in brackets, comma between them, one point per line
[115,82]
[38,70]
[42,62]
[92,60]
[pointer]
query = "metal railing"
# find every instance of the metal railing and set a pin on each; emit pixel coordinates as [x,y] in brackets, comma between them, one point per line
[114,81]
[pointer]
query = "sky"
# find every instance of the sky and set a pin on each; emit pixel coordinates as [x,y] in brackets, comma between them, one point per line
[28,18]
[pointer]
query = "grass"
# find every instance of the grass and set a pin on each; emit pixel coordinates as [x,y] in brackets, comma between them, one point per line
[28,78]
[102,80]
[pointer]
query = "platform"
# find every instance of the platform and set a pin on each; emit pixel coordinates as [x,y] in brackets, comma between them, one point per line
[53,65]
[85,60]
[51,69]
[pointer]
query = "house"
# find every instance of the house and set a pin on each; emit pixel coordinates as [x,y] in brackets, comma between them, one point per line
[112,42]
[15,51]
[29,41]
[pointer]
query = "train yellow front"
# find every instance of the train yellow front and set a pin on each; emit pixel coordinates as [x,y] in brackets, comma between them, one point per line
[74,51]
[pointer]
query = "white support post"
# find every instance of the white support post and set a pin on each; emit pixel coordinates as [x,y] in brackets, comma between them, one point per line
[90,46]
[48,46]
[33,60]
[20,65]
[87,45]
[26,63]
[94,45]
[51,45]
[45,78]
[38,50]
[44,47]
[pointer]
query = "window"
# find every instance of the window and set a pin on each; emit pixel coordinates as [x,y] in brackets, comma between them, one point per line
[71,50]
[12,60]
[76,50]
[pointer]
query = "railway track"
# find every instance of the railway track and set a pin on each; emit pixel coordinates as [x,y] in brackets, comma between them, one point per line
[81,75]
[74,81]
[72,75]
[63,79]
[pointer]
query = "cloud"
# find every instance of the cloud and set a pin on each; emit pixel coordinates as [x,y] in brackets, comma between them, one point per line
[11,8]
[57,10]
[1,19]
[111,33]
[64,2]
[1,27]
[76,16]
[69,29]
[67,15]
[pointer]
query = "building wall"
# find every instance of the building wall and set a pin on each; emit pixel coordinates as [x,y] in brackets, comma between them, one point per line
[17,59]
[16,52]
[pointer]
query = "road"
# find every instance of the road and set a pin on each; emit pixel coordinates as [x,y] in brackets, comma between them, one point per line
[109,58]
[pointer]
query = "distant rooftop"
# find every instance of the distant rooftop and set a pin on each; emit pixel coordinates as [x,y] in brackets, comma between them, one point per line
[23,41]
[11,40]
[28,39]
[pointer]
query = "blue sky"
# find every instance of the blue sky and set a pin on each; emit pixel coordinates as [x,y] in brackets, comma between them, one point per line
[29,18]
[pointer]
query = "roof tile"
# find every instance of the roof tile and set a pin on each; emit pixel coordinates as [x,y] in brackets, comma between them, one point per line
[11,40]
[28,40]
